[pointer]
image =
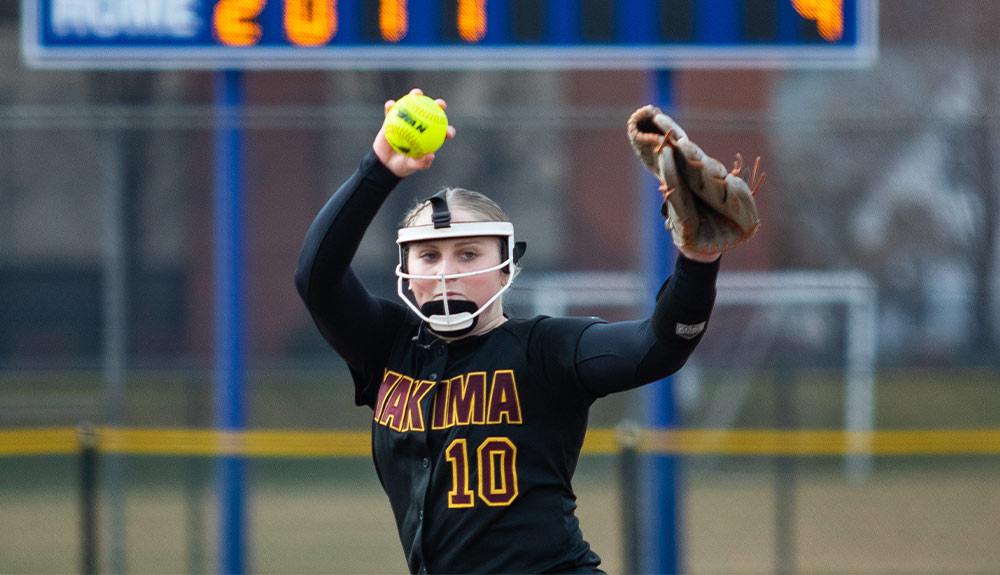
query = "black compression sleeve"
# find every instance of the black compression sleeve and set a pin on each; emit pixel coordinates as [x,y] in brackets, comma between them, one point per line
[344,311]
[617,356]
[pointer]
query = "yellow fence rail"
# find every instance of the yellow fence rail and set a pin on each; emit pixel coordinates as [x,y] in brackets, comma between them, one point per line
[599,441]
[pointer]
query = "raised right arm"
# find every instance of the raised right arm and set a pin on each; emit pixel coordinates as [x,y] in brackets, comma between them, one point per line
[347,315]
[350,318]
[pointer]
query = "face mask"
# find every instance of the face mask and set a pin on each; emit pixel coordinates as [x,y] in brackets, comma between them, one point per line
[449,315]
[453,317]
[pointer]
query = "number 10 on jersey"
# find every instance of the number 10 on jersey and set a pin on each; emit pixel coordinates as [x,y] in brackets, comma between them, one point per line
[496,461]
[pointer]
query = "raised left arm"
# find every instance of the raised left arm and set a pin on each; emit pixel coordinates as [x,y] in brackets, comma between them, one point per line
[618,356]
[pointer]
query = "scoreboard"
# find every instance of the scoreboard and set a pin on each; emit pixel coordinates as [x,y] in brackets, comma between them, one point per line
[455,34]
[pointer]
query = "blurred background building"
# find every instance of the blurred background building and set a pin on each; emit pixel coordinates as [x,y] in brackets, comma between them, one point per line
[893,170]
[889,169]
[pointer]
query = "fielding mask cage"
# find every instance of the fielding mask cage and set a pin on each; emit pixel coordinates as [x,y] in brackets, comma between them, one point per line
[453,317]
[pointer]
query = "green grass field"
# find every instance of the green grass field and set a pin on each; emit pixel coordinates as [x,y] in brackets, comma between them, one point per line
[918,515]
[915,514]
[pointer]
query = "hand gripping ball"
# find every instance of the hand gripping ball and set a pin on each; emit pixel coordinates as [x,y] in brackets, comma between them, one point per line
[415,125]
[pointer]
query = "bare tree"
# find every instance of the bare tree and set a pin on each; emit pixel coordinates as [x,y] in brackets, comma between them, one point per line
[893,170]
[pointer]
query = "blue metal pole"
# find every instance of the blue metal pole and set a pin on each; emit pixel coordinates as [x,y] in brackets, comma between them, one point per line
[663,553]
[230,352]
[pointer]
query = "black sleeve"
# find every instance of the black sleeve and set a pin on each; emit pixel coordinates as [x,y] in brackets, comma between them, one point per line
[349,317]
[617,356]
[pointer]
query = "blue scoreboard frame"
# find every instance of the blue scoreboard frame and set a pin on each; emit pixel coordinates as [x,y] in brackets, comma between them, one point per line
[449,34]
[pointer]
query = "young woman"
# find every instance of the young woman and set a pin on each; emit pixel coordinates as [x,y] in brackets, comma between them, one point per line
[478,418]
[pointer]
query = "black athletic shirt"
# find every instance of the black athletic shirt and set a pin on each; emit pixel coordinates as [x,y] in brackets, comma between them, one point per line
[476,441]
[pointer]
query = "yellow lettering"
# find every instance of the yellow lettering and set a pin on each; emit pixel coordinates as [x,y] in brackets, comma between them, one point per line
[414,415]
[440,419]
[497,471]
[504,403]
[458,455]
[467,399]
[389,381]
[395,405]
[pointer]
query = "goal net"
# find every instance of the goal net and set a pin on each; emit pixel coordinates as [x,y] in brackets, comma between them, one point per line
[764,322]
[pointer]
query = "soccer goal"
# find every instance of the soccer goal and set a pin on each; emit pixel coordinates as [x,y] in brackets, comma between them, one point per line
[775,306]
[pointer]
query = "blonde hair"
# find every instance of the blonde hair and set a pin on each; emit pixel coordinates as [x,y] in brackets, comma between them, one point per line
[481,206]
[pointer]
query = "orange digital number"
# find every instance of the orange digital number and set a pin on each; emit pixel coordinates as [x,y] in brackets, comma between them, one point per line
[828,14]
[234,24]
[392,19]
[472,20]
[310,22]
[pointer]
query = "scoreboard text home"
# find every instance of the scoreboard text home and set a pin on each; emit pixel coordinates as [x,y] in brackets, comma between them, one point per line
[443,33]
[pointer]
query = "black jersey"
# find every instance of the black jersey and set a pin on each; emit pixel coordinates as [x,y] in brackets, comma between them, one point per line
[476,441]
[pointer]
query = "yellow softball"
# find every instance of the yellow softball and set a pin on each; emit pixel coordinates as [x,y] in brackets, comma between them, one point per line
[415,125]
